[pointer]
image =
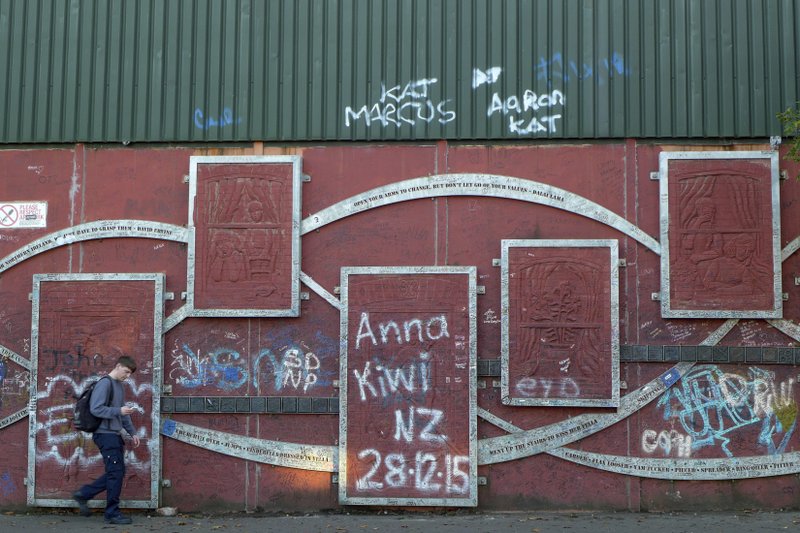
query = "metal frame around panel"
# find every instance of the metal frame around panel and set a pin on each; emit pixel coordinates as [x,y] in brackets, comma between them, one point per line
[157,377]
[472,273]
[663,175]
[297,179]
[505,392]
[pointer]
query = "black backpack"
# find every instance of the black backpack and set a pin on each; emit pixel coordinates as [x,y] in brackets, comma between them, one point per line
[83,419]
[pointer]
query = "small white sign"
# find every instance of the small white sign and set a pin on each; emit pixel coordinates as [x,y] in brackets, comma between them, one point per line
[23,215]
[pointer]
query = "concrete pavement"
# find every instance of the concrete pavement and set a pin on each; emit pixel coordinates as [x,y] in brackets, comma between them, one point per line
[66,521]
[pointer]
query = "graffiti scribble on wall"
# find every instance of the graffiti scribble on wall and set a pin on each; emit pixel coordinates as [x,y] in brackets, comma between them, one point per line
[403,104]
[736,413]
[282,366]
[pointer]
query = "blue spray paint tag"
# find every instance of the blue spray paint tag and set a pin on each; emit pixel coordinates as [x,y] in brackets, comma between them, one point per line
[168,428]
[669,378]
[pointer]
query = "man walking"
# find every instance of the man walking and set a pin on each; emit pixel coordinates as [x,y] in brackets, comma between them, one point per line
[108,403]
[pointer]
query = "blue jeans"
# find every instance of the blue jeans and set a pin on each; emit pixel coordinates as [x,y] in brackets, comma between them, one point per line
[112,448]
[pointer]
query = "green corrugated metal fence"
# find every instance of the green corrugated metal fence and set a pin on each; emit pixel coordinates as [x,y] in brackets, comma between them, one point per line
[295,70]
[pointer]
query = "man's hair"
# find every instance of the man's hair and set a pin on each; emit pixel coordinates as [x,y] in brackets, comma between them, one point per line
[128,362]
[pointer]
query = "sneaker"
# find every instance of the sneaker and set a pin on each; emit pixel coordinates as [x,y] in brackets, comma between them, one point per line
[118,519]
[83,508]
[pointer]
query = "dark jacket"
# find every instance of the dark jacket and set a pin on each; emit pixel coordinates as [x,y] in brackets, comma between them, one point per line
[113,419]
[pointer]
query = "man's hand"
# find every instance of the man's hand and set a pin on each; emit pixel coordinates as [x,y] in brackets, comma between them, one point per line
[136,441]
[125,410]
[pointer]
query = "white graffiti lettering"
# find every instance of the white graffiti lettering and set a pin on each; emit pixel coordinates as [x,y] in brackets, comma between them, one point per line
[413,378]
[424,468]
[66,446]
[435,328]
[667,440]
[530,103]
[400,105]
[488,77]
[404,429]
[547,388]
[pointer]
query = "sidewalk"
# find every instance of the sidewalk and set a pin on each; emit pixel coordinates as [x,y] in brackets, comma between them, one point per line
[529,522]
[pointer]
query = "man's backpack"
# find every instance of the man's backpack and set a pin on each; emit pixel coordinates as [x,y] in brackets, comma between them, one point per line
[83,419]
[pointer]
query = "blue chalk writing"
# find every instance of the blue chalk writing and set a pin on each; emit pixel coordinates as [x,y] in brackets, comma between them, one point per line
[711,405]
[221,368]
[7,485]
[203,122]
[562,70]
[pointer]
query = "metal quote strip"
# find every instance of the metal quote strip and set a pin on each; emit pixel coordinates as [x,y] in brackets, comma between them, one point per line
[100,229]
[303,456]
[16,417]
[686,469]
[534,441]
[786,327]
[14,356]
[477,185]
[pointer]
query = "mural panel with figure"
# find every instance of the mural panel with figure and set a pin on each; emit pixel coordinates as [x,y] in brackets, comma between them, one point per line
[720,234]
[560,318]
[245,255]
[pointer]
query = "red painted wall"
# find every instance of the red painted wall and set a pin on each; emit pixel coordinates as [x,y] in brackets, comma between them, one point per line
[88,183]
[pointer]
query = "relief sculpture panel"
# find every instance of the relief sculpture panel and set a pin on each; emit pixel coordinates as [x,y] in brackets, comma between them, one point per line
[560,338]
[244,258]
[720,229]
